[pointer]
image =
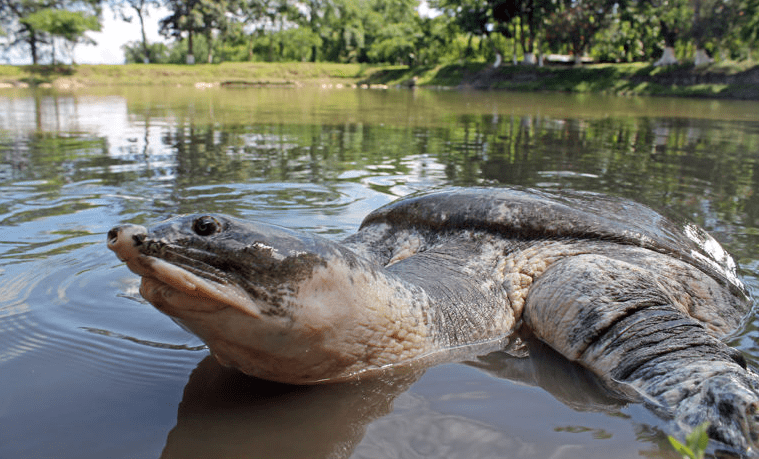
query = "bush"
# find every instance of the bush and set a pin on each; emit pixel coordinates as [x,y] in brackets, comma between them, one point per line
[158,53]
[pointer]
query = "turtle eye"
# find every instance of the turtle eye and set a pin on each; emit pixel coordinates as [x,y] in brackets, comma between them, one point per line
[205,226]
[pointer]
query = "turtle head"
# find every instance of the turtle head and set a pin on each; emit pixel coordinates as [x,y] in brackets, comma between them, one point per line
[273,302]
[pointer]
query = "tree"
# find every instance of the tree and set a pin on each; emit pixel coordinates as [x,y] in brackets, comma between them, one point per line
[36,23]
[362,30]
[258,18]
[533,14]
[391,30]
[68,25]
[134,52]
[141,9]
[435,40]
[479,18]
[713,20]
[505,13]
[11,13]
[343,26]
[750,20]
[577,22]
[196,16]
[675,21]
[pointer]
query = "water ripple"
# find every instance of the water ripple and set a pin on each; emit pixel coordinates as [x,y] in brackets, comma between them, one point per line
[66,309]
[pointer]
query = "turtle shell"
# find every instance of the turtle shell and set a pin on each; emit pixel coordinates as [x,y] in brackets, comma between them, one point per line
[537,214]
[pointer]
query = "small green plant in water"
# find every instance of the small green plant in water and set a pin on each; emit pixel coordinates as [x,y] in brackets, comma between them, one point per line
[695,443]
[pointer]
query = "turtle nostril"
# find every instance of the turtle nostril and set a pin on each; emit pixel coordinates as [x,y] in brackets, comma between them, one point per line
[738,358]
[113,235]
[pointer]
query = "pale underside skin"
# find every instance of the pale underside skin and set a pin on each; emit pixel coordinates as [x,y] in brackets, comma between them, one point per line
[646,323]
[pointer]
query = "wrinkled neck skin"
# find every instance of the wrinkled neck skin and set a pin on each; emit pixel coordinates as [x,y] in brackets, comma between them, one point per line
[287,306]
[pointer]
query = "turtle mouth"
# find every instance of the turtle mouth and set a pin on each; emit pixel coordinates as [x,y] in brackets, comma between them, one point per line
[171,287]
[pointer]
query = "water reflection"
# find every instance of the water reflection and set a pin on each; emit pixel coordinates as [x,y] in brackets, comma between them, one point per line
[224,412]
[74,339]
[662,161]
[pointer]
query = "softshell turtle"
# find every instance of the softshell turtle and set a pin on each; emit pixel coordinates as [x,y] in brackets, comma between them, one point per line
[642,302]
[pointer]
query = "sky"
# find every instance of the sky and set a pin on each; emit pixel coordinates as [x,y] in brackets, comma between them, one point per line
[115,33]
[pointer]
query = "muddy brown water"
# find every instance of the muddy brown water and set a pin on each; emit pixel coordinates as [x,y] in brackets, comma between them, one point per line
[89,370]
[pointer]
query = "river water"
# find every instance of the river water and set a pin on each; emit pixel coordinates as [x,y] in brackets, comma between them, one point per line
[89,370]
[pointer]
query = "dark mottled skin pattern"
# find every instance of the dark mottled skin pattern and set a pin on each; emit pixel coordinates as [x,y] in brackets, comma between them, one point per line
[628,331]
[641,308]
[638,300]
[440,271]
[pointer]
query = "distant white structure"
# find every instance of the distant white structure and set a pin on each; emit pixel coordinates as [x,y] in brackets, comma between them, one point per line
[668,58]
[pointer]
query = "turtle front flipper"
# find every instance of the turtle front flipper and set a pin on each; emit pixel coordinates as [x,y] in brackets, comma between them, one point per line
[616,319]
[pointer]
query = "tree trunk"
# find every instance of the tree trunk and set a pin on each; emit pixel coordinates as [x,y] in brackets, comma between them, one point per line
[33,45]
[702,58]
[668,58]
[521,36]
[498,60]
[514,55]
[209,39]
[190,55]
[578,48]
[670,36]
[529,51]
[145,51]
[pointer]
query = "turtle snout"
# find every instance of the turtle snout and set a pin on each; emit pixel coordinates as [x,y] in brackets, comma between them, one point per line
[124,240]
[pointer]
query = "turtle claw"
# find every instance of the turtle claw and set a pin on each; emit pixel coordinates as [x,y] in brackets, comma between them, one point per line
[730,404]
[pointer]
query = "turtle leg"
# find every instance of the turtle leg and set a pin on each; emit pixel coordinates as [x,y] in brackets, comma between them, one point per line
[614,318]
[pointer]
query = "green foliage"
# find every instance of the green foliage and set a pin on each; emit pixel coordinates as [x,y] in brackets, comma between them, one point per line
[70,25]
[436,42]
[179,52]
[675,18]
[695,445]
[35,23]
[201,17]
[576,24]
[632,35]
[749,20]
[292,44]
[713,21]
[134,52]
[363,30]
[392,31]
[140,8]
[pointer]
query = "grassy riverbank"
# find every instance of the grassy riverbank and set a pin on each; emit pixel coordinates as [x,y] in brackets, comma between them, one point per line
[732,81]
[65,76]
[736,81]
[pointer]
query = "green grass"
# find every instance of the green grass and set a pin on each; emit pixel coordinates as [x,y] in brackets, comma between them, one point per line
[621,79]
[168,74]
[695,444]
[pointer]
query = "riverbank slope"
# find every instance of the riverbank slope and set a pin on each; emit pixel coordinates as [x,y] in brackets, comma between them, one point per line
[733,81]
[729,81]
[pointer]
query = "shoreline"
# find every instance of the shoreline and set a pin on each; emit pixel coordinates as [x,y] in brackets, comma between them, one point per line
[722,81]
